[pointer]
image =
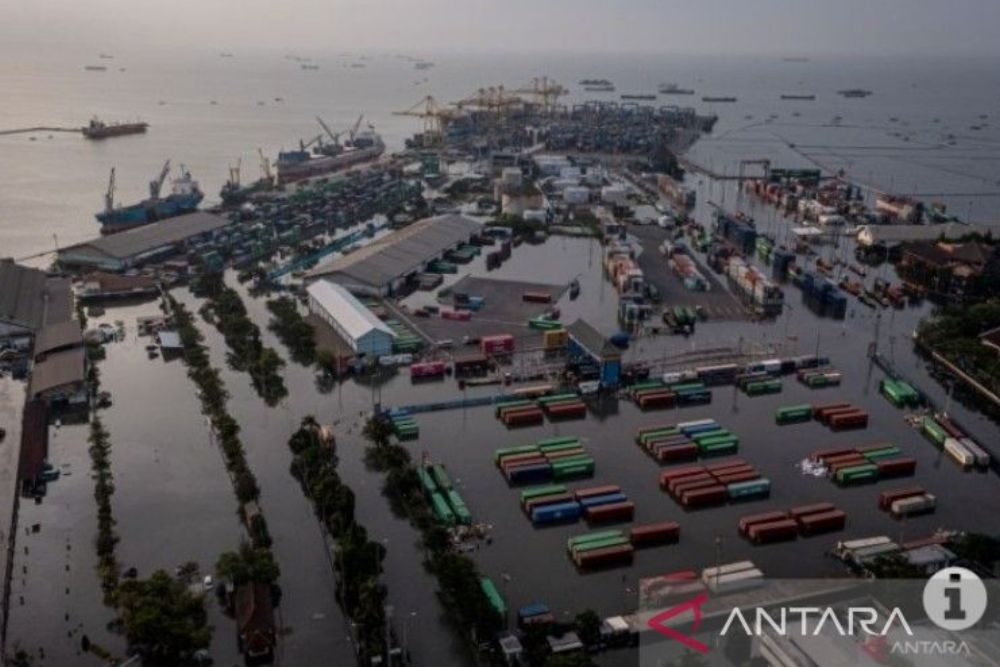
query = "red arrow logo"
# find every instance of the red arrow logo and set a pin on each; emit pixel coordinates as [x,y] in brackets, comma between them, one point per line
[658,622]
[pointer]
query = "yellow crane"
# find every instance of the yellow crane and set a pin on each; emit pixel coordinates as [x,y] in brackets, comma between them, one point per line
[434,116]
[546,93]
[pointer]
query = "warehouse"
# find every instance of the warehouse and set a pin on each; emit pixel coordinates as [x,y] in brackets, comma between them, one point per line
[384,267]
[29,300]
[145,244]
[357,325]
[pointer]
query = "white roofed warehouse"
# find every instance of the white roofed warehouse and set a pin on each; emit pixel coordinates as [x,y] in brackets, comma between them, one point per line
[357,325]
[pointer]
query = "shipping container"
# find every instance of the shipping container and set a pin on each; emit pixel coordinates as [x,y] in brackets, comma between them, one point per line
[933,431]
[442,511]
[712,495]
[718,571]
[823,522]
[896,467]
[604,499]
[665,532]
[568,511]
[773,531]
[889,496]
[981,456]
[603,557]
[758,488]
[958,453]
[736,581]
[815,508]
[913,505]
[765,517]
[842,421]
[621,511]
[676,453]
[857,474]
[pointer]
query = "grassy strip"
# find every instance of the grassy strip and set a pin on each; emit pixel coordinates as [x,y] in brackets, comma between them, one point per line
[293,330]
[358,560]
[108,567]
[458,577]
[246,351]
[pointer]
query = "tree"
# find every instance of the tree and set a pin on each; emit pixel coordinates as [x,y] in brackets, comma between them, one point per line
[247,565]
[378,431]
[575,659]
[162,620]
[588,627]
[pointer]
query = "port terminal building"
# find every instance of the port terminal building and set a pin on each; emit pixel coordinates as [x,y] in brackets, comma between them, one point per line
[386,266]
[589,347]
[150,243]
[358,326]
[30,300]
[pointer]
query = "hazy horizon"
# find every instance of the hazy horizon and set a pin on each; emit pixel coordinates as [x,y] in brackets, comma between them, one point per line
[724,27]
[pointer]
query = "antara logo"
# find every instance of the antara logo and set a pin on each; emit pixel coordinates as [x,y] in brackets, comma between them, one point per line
[864,619]
[694,605]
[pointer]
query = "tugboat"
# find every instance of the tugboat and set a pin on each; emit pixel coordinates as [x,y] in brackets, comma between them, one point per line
[184,198]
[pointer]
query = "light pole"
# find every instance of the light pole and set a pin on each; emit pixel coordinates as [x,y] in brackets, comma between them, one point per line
[406,629]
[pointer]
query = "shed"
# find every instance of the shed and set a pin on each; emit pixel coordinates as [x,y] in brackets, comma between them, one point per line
[58,337]
[60,376]
[354,323]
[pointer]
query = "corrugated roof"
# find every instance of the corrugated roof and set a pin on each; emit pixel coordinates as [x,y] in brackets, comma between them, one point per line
[592,340]
[54,336]
[58,370]
[32,299]
[401,252]
[149,237]
[352,315]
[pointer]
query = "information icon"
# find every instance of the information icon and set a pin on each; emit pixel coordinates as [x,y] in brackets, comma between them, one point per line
[955,599]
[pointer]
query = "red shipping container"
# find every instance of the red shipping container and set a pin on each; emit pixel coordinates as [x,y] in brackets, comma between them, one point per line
[619,554]
[689,479]
[749,520]
[889,496]
[654,533]
[497,344]
[773,531]
[856,419]
[722,465]
[623,511]
[733,478]
[676,453]
[824,522]
[596,491]
[898,467]
[815,508]
[818,410]
[823,454]
[712,495]
[827,416]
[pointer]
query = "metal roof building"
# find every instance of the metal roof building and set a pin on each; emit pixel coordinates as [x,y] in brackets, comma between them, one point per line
[132,247]
[30,299]
[889,235]
[384,266]
[356,324]
[60,376]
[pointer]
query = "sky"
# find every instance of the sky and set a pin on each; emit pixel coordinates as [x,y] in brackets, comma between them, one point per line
[731,27]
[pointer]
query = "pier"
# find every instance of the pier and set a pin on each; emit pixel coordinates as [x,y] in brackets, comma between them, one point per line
[31,130]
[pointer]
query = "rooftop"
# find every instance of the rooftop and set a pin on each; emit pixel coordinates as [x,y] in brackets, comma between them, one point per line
[400,252]
[58,370]
[593,340]
[875,234]
[150,237]
[353,316]
[55,336]
[30,298]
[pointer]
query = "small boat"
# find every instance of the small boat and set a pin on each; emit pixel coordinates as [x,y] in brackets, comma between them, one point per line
[574,289]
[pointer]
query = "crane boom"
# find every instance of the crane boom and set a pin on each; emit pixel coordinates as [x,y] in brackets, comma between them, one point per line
[334,136]
[157,184]
[265,166]
[109,196]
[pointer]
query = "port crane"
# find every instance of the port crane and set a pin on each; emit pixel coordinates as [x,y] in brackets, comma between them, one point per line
[265,167]
[353,131]
[334,136]
[234,173]
[156,184]
[434,116]
[109,196]
[545,91]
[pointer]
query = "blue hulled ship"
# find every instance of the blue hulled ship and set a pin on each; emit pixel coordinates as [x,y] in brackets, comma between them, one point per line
[184,197]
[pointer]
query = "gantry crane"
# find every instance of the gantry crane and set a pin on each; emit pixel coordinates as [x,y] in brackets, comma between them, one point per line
[434,116]
[546,93]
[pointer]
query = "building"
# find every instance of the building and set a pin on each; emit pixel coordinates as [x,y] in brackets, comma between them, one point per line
[384,267]
[953,270]
[58,338]
[588,348]
[34,444]
[29,300]
[101,285]
[60,378]
[363,332]
[888,236]
[255,626]
[142,245]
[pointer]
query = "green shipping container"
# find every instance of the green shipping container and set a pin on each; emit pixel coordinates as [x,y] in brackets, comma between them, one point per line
[857,474]
[751,489]
[441,477]
[600,544]
[426,481]
[561,447]
[538,491]
[592,537]
[562,440]
[493,595]
[511,451]
[933,430]
[441,509]
[885,452]
[459,507]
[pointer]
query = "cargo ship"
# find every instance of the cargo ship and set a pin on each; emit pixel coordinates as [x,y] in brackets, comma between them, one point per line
[184,197]
[674,89]
[98,129]
[305,163]
[95,68]
[642,96]
[718,99]
[805,98]
[855,92]
[609,88]
[234,193]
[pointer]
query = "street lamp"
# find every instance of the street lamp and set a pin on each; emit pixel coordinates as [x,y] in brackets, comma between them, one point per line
[406,628]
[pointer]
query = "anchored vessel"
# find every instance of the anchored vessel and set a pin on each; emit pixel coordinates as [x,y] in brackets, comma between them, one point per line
[98,129]
[184,197]
[674,89]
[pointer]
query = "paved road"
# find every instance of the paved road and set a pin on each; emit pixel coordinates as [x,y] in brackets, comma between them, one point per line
[11,404]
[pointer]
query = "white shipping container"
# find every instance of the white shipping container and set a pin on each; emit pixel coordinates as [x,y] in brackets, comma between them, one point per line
[914,504]
[729,568]
[861,543]
[957,451]
[737,581]
[981,455]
